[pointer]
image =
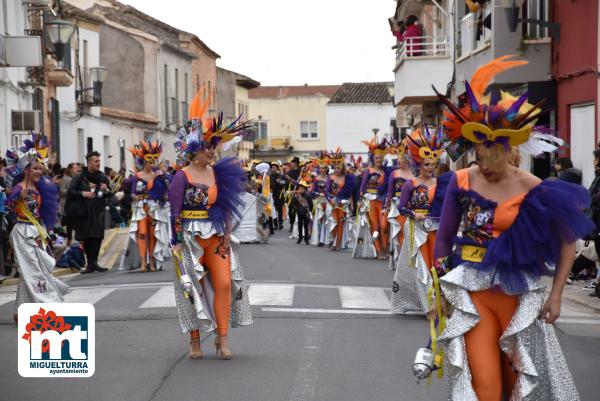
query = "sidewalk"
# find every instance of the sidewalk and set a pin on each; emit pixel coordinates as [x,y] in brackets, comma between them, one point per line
[576,293]
[113,243]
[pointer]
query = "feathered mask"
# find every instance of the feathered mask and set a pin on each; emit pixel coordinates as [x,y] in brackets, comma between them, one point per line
[199,133]
[497,118]
[146,152]
[336,157]
[377,147]
[32,149]
[423,144]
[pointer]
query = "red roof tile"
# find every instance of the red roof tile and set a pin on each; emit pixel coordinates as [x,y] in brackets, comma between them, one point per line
[293,91]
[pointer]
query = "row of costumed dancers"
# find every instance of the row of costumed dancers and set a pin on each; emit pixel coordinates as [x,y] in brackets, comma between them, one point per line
[467,248]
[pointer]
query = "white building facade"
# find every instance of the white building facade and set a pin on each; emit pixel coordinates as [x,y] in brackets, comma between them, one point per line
[355,111]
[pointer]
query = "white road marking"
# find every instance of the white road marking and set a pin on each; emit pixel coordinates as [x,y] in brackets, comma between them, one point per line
[364,298]
[7,297]
[90,296]
[333,311]
[163,298]
[578,321]
[308,367]
[271,294]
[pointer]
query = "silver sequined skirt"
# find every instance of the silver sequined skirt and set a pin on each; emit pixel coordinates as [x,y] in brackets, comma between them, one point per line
[348,222]
[320,232]
[160,213]
[395,230]
[200,315]
[531,345]
[412,279]
[364,244]
[36,283]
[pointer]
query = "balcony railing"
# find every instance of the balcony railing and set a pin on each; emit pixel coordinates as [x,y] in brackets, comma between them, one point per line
[273,143]
[423,46]
[469,42]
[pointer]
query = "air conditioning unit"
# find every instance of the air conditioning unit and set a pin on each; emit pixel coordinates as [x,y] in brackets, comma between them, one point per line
[24,121]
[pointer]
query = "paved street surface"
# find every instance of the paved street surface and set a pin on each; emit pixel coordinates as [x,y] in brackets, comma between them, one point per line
[322,331]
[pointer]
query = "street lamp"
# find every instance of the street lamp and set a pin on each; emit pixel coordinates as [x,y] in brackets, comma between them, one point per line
[98,76]
[513,9]
[60,33]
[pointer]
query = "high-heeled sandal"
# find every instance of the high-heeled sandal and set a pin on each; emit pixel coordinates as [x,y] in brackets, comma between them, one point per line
[195,349]
[223,351]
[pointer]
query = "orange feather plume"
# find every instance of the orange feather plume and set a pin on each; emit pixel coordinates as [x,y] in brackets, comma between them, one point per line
[484,74]
[198,107]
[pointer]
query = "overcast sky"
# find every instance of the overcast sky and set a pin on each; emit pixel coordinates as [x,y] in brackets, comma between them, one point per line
[289,42]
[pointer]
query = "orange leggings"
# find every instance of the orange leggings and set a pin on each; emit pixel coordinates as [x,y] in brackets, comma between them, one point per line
[338,215]
[378,222]
[217,263]
[491,372]
[401,220]
[146,241]
[427,249]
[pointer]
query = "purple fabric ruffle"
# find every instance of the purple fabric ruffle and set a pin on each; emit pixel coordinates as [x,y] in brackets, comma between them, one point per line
[49,209]
[348,189]
[435,209]
[231,184]
[159,188]
[550,213]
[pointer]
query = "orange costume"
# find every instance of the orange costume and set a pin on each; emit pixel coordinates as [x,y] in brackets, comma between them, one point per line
[495,344]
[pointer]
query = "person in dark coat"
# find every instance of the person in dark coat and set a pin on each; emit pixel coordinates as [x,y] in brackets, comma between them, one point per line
[89,191]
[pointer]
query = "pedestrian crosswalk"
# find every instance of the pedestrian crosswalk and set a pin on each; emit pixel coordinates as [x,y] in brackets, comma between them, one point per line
[315,299]
[161,295]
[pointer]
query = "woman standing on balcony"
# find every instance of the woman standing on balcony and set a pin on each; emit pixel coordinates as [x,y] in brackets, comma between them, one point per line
[339,190]
[396,219]
[420,203]
[149,228]
[205,201]
[372,231]
[499,340]
[411,36]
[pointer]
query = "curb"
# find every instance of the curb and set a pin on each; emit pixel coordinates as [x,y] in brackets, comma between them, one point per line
[57,272]
[111,234]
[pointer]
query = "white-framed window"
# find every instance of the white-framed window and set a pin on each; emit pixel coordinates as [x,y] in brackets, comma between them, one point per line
[535,9]
[260,129]
[309,130]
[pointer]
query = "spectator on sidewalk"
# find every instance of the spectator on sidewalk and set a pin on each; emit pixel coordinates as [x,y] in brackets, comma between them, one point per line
[72,170]
[73,257]
[594,211]
[89,193]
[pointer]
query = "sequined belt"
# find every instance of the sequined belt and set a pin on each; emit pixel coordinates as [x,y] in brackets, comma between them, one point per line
[372,191]
[22,220]
[472,253]
[194,214]
[421,211]
[397,193]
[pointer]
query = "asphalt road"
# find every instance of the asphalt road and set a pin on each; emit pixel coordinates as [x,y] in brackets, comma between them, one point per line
[321,332]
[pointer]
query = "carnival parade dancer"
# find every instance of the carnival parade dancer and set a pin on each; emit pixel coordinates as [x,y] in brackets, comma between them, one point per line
[420,202]
[373,229]
[396,219]
[339,190]
[34,202]
[150,220]
[499,341]
[206,200]
[320,232]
